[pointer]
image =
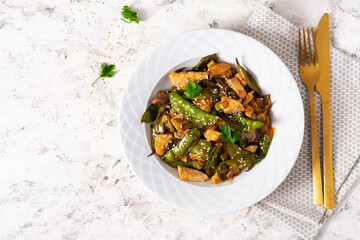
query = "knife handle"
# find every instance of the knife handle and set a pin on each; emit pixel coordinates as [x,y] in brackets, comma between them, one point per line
[316,168]
[327,149]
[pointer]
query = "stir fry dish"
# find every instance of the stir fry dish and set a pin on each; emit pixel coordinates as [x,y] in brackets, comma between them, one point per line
[212,124]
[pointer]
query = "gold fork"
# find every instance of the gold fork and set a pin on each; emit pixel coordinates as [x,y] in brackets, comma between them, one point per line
[309,72]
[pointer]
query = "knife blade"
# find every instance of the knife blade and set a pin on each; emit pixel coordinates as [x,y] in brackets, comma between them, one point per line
[322,42]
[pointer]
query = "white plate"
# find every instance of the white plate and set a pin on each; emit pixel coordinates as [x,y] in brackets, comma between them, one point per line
[185,50]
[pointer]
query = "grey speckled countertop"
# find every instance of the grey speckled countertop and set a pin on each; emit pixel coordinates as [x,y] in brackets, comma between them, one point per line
[63,174]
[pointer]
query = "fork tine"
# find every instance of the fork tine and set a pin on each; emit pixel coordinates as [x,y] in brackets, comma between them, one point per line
[315,49]
[311,57]
[305,52]
[300,50]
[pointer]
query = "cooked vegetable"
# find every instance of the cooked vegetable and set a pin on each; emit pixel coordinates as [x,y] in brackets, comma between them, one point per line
[202,64]
[245,76]
[247,124]
[190,112]
[162,97]
[179,163]
[222,170]
[225,90]
[213,162]
[105,71]
[213,123]
[129,15]
[161,110]
[203,150]
[183,146]
[263,145]
[181,79]
[151,113]
[157,128]
[233,172]
[189,174]
[239,157]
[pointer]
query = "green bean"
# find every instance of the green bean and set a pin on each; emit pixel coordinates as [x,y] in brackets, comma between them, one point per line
[179,163]
[157,128]
[248,124]
[190,112]
[222,170]
[239,157]
[161,110]
[211,165]
[183,146]
[151,113]
[202,149]
[248,78]
[202,64]
[168,125]
[198,164]
[225,90]
[263,146]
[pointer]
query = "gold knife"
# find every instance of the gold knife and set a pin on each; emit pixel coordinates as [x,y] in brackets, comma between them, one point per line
[323,87]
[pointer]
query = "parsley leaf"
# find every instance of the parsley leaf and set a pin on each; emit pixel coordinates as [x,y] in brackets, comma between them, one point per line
[129,14]
[105,71]
[192,89]
[226,134]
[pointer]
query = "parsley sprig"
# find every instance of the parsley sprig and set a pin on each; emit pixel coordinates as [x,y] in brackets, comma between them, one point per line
[192,89]
[129,15]
[226,134]
[105,71]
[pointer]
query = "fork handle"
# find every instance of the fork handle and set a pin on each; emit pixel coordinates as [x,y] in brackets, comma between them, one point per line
[316,170]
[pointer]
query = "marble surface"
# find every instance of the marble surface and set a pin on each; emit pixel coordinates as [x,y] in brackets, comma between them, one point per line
[63,174]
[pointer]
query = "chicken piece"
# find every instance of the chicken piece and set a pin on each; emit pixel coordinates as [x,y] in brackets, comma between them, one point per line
[215,179]
[180,123]
[241,79]
[249,97]
[181,133]
[181,79]
[251,136]
[233,172]
[204,104]
[195,157]
[172,112]
[251,148]
[189,174]
[230,105]
[185,158]
[235,84]
[161,143]
[220,70]
[211,134]
[219,122]
[249,112]
[162,97]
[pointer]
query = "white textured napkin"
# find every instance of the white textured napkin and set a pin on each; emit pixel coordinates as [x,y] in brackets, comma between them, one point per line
[292,201]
